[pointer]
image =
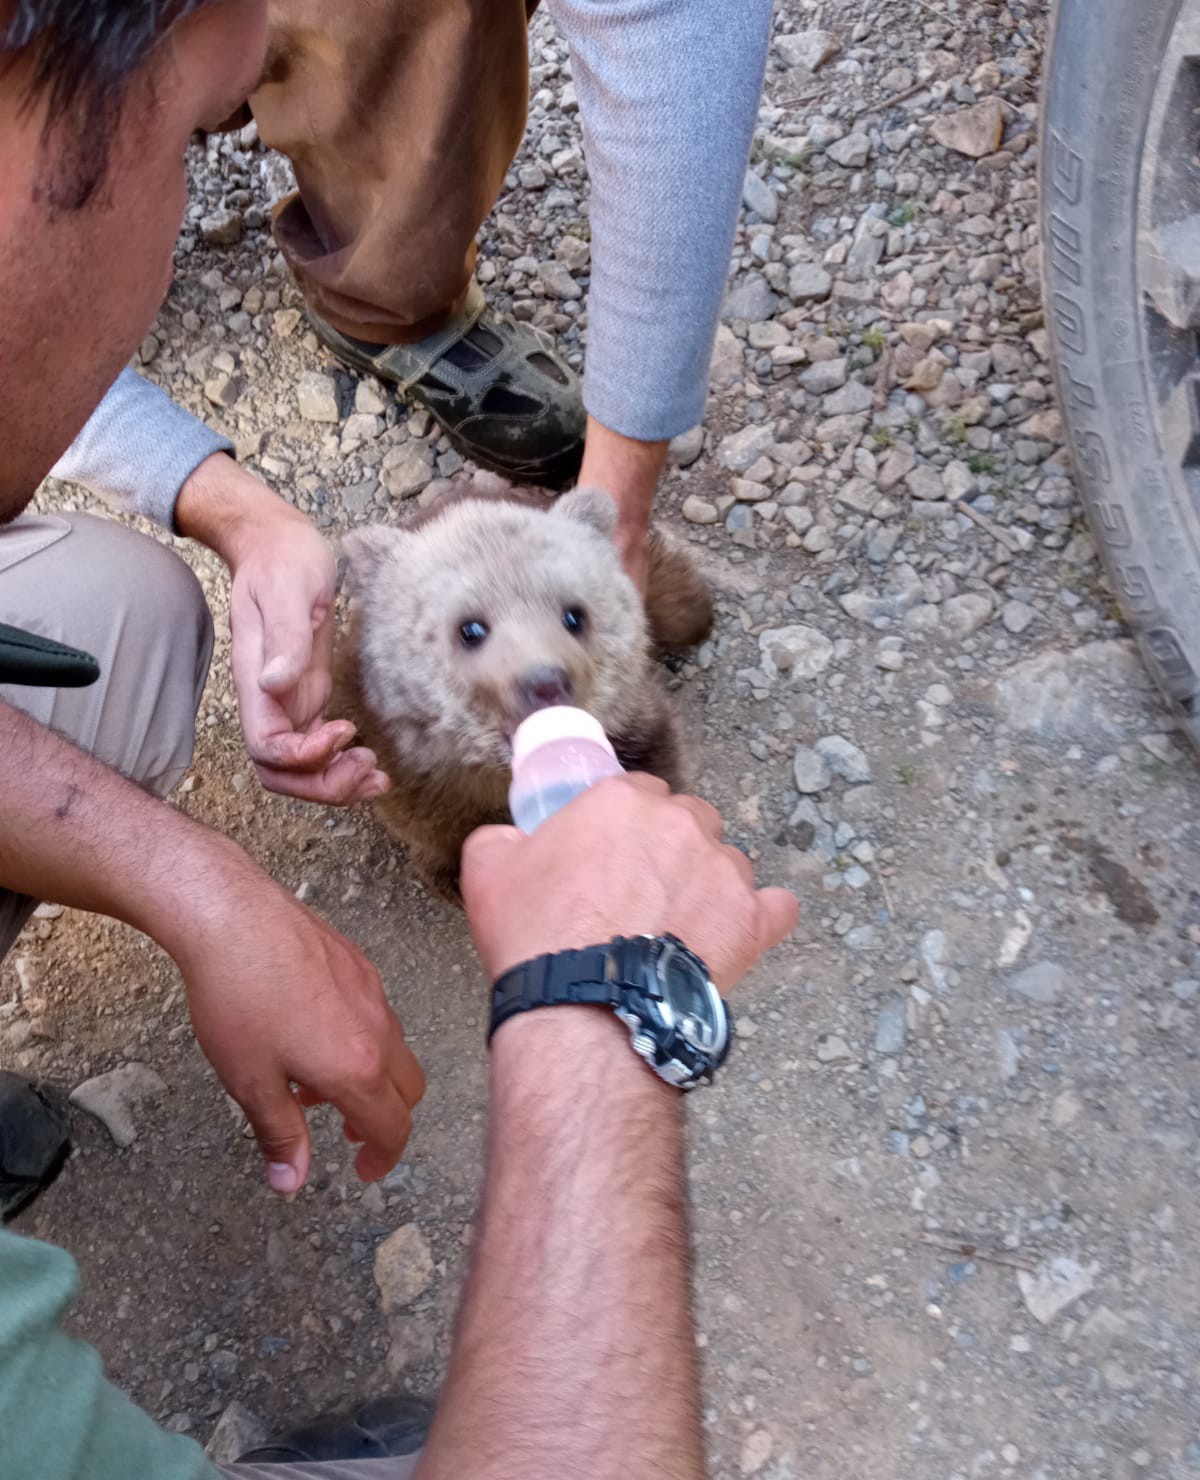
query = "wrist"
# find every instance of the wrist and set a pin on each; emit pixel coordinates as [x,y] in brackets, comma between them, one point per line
[547,1055]
[661,993]
[228,509]
[207,885]
[627,470]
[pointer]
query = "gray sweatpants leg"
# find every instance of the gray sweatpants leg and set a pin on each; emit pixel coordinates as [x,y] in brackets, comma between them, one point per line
[349,1469]
[126,599]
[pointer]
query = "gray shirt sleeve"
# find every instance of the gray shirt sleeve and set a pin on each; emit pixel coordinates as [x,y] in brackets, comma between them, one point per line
[668,94]
[138,449]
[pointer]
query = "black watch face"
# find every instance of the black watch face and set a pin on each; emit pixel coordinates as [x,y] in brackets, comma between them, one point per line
[693,1005]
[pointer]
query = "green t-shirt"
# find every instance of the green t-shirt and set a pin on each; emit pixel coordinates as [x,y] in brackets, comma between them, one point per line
[60,1419]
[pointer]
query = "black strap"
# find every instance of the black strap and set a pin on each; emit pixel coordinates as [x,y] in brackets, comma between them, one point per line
[40,662]
[595,974]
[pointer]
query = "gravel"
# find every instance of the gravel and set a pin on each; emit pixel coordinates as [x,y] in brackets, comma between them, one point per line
[1017,616]
[794,653]
[115,1098]
[741,450]
[758,197]
[1042,982]
[967,613]
[751,299]
[974,1059]
[891,1027]
[221,228]
[697,510]
[973,131]
[807,50]
[238,1431]
[407,470]
[844,758]
[852,152]
[686,448]
[317,396]
[810,771]
[556,278]
[808,283]
[1054,1286]
[403,1267]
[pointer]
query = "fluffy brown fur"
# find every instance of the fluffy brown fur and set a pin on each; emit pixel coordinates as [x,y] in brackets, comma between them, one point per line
[440,715]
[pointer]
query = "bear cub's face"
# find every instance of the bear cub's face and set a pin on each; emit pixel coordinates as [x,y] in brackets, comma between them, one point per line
[491,610]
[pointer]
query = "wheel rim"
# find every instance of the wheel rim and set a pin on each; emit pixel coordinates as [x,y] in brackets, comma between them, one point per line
[1168,252]
[1168,290]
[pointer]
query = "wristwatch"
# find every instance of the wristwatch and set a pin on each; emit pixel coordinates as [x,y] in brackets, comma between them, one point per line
[677,1020]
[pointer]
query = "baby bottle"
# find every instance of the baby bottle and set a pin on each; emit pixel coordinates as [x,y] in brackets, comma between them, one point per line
[557,753]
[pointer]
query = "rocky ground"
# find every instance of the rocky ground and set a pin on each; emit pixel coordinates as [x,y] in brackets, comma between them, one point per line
[946,1200]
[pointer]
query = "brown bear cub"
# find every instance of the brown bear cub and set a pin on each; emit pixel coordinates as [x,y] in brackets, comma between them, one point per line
[485,607]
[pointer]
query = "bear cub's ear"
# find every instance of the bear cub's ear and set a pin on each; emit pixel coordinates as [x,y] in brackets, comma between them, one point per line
[367,549]
[590,506]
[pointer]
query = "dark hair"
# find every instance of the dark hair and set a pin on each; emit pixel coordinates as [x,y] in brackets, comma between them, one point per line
[84,54]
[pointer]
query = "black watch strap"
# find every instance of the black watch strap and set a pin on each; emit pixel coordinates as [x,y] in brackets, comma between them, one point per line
[595,974]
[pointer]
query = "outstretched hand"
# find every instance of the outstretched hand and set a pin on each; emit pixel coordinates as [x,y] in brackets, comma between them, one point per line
[279,999]
[281,616]
[625,858]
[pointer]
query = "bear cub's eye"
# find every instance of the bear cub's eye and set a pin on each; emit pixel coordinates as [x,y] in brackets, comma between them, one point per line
[472,632]
[575,620]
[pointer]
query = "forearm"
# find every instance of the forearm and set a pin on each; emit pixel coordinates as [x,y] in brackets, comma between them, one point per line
[73,831]
[574,1352]
[138,449]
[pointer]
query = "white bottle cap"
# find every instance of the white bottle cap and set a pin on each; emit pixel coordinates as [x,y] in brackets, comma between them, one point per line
[560,722]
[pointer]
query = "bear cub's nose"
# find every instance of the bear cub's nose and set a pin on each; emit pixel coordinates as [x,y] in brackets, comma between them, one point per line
[542,687]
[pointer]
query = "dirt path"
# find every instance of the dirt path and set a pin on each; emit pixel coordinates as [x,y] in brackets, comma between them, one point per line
[945,1199]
